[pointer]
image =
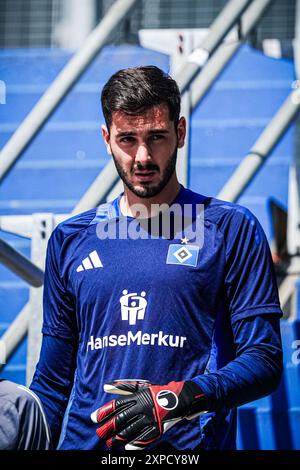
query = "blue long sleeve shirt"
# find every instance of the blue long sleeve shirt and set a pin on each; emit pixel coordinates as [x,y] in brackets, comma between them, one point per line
[159,308]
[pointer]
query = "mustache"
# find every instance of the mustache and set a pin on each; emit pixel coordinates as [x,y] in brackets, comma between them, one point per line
[147,167]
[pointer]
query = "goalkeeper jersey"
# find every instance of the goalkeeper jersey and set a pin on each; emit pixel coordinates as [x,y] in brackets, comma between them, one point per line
[125,302]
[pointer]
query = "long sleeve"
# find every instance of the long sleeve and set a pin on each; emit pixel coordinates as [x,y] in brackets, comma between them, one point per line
[251,296]
[254,373]
[55,371]
[53,380]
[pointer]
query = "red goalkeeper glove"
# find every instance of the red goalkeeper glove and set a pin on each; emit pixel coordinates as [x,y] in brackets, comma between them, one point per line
[147,411]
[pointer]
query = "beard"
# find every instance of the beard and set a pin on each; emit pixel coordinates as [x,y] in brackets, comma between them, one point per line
[148,190]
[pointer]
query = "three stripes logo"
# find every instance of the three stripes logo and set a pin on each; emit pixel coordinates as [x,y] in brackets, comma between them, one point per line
[90,262]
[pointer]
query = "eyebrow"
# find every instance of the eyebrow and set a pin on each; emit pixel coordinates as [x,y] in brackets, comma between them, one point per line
[159,131]
[132,133]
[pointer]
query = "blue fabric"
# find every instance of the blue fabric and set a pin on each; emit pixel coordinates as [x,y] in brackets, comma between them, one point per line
[255,372]
[116,309]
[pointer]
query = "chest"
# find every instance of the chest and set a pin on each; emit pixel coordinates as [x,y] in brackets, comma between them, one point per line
[100,271]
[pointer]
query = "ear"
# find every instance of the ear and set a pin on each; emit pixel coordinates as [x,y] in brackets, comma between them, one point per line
[106,138]
[181,132]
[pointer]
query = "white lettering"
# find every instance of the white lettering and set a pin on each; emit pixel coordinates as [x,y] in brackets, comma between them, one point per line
[139,338]
[193,459]
[162,339]
[113,340]
[154,336]
[136,231]
[122,340]
[91,343]
[139,211]
[296,354]
[134,338]
[174,341]
[118,460]
[178,221]
[145,338]
[107,230]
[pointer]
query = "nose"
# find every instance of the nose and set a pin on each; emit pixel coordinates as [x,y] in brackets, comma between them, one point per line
[143,154]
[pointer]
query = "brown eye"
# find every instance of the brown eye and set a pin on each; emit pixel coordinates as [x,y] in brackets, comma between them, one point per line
[157,137]
[127,139]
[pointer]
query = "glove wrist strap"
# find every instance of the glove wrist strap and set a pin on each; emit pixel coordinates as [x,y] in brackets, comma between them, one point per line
[199,402]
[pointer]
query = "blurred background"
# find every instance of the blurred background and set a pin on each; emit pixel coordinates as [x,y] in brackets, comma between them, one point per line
[66,23]
[237,64]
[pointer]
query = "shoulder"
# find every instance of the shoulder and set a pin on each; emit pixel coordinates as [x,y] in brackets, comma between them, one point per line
[223,212]
[72,226]
[227,217]
[217,211]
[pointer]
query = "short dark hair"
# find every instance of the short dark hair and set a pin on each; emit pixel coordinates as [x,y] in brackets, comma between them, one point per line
[135,90]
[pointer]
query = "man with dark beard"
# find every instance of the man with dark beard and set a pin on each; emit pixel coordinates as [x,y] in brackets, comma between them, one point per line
[184,322]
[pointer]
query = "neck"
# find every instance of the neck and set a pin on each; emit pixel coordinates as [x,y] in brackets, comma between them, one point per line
[166,196]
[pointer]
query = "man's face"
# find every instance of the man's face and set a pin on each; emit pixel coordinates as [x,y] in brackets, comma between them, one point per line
[144,148]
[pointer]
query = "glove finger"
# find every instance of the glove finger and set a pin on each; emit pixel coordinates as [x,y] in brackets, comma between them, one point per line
[125,386]
[107,430]
[116,443]
[123,413]
[110,409]
[149,435]
[130,432]
[105,412]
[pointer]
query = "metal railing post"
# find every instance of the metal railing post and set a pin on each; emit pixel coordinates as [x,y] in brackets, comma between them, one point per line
[262,148]
[217,31]
[43,225]
[225,52]
[38,227]
[182,164]
[20,265]
[15,333]
[99,189]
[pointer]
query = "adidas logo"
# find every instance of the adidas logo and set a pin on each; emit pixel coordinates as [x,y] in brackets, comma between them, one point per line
[91,262]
